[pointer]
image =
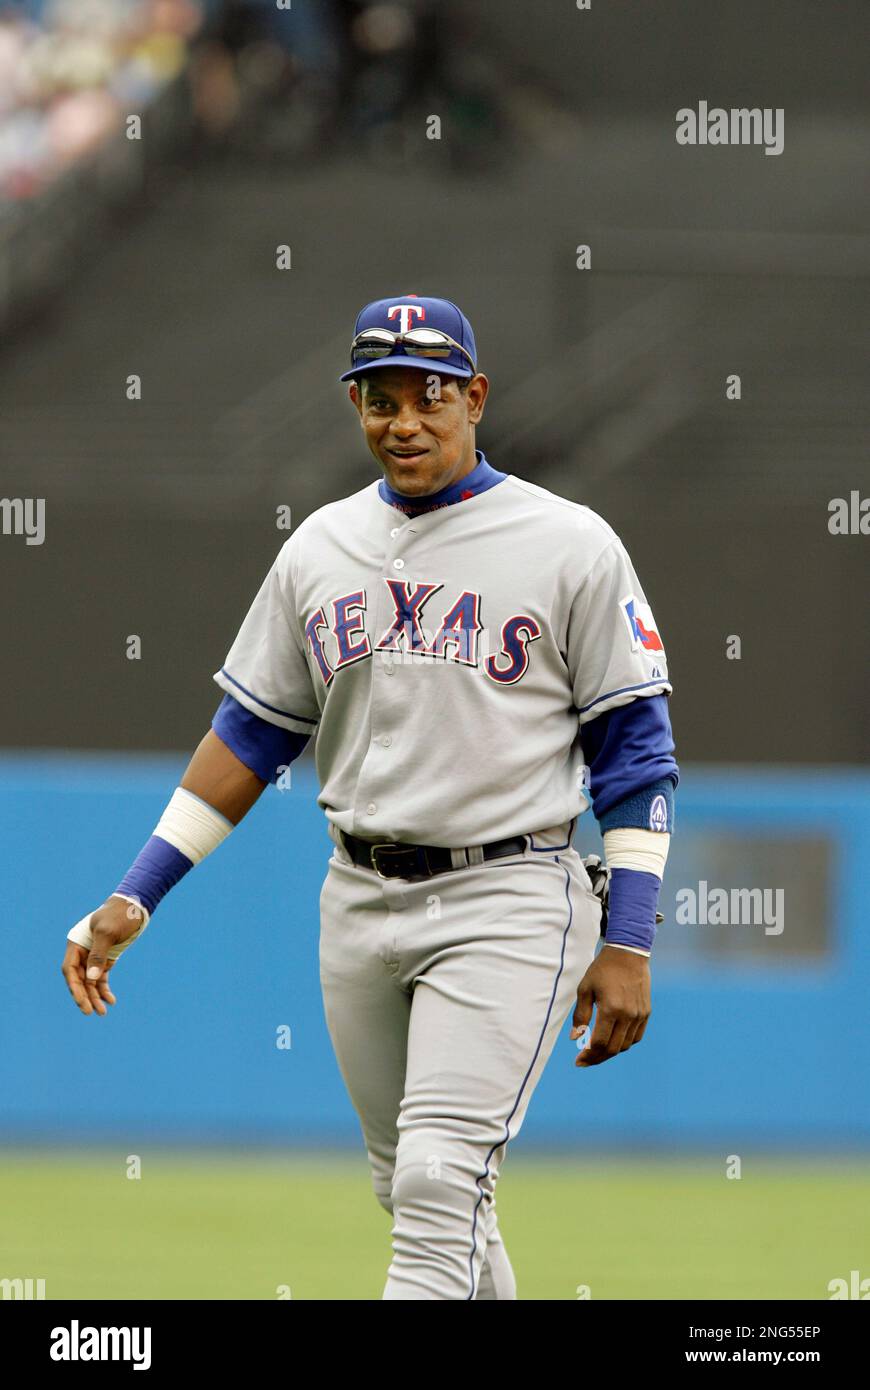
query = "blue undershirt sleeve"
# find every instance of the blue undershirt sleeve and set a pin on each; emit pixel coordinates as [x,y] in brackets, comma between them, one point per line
[632,775]
[627,751]
[263,747]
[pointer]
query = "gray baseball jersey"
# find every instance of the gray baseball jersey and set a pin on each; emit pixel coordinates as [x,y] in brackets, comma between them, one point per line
[447,662]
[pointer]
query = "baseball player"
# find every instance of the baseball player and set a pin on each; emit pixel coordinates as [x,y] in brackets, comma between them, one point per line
[477,663]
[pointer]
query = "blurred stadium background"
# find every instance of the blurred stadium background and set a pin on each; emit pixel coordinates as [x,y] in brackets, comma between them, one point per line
[156,256]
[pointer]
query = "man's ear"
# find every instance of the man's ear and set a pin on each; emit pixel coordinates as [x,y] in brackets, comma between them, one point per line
[475,394]
[354,393]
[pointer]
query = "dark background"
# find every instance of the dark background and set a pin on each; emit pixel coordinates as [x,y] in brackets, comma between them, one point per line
[608,386]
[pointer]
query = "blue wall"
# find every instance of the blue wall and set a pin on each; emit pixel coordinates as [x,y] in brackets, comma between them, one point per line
[735,1053]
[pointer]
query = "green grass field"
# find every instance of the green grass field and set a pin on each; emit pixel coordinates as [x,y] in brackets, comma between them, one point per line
[197,1227]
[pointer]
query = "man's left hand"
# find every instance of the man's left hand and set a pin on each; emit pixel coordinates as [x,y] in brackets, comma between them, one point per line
[617,983]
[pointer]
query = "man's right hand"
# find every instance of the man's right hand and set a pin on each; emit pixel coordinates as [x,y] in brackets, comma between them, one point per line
[87,972]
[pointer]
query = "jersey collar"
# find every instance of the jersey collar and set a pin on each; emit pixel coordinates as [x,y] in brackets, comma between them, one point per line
[482,477]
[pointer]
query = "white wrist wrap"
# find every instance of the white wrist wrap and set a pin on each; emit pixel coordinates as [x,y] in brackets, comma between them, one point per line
[644,850]
[81,932]
[192,826]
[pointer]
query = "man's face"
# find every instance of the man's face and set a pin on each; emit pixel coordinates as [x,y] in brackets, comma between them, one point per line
[419,426]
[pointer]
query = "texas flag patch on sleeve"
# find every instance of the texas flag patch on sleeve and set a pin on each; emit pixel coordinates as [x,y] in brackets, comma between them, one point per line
[641,625]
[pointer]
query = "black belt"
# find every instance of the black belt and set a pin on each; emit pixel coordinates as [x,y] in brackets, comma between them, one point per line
[391,860]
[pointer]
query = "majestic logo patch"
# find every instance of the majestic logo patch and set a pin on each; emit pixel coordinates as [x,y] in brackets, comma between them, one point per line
[658,814]
[641,625]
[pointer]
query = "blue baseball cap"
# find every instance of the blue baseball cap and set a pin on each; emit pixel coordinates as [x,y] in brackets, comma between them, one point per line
[401,312]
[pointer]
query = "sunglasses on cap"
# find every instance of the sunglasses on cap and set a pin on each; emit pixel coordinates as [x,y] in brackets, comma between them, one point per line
[417,342]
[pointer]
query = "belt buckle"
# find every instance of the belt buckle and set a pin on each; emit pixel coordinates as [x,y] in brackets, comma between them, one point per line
[412,850]
[373,856]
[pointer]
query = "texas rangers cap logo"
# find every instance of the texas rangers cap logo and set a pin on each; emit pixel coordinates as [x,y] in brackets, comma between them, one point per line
[407,314]
[641,624]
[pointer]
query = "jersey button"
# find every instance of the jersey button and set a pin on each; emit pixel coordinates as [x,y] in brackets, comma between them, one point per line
[386,740]
[371,808]
[394,533]
[398,564]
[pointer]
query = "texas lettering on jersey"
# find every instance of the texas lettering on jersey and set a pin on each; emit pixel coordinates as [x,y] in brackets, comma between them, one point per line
[456,638]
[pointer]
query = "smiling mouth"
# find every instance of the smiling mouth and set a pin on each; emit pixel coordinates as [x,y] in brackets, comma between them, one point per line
[407,454]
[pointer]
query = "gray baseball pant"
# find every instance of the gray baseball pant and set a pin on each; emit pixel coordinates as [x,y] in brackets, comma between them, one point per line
[444,998]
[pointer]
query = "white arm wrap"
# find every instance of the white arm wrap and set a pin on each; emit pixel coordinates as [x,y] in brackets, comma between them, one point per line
[192,826]
[645,850]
